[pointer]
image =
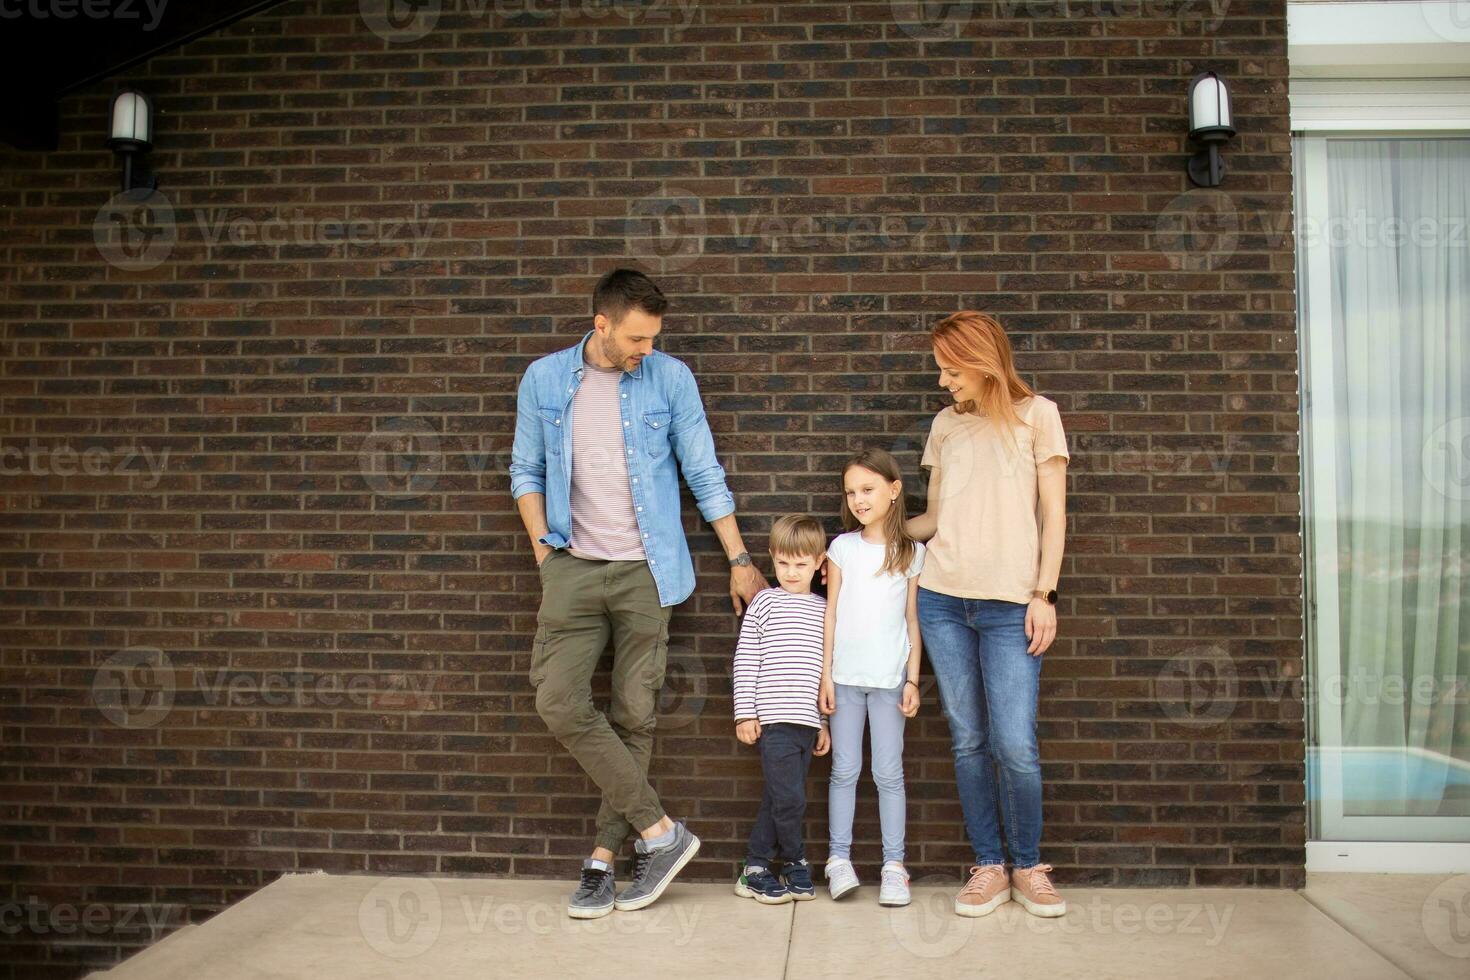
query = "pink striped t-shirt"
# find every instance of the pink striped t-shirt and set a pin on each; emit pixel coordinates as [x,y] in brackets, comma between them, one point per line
[604,524]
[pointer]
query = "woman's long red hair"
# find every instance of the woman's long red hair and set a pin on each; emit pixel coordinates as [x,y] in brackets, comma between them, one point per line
[976,342]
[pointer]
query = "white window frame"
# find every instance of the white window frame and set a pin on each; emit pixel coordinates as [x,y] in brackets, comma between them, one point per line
[1359,70]
[1374,852]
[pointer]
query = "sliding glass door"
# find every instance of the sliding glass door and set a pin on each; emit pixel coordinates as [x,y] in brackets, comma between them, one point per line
[1384,301]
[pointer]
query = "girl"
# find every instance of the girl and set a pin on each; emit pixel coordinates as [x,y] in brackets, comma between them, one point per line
[987,598]
[870,662]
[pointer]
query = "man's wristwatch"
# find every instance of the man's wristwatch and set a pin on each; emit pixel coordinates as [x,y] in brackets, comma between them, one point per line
[1050,595]
[741,559]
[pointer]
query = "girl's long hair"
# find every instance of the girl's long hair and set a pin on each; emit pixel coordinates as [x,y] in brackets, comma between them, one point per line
[899,552]
[977,342]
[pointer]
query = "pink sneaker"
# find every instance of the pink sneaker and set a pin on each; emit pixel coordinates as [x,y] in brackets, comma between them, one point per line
[987,889]
[1033,889]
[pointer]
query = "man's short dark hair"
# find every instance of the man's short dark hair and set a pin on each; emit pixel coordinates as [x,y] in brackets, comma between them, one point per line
[622,290]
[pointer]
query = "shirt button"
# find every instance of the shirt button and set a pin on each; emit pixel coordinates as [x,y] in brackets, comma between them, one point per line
[625,394]
[640,508]
[625,424]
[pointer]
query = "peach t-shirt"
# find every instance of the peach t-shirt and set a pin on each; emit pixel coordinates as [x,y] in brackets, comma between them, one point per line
[988,541]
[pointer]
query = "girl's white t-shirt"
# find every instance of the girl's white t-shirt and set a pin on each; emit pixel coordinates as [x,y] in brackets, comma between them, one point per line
[870,647]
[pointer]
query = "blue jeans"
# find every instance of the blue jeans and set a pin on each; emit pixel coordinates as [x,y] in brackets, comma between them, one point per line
[879,708]
[988,686]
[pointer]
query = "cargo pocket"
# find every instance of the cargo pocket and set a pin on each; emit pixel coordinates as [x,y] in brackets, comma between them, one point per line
[658,664]
[538,657]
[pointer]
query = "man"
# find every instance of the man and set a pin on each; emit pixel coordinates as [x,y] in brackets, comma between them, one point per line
[602,431]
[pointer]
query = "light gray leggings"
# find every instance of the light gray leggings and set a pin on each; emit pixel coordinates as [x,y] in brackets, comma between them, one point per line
[880,708]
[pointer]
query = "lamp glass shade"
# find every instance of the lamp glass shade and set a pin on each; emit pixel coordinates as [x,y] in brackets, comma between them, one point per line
[131,119]
[1209,104]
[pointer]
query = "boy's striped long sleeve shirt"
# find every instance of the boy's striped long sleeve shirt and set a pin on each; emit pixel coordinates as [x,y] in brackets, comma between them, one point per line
[778,659]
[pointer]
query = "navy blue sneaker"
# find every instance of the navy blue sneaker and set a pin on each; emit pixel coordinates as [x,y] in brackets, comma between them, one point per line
[757,882]
[797,876]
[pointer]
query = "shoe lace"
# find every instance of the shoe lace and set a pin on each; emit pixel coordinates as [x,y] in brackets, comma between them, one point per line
[641,860]
[592,878]
[982,876]
[896,877]
[1037,880]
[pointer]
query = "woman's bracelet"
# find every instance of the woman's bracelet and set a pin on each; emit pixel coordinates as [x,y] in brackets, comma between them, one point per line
[915,683]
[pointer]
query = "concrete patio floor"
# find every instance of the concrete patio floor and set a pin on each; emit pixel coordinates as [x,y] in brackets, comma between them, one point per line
[324,927]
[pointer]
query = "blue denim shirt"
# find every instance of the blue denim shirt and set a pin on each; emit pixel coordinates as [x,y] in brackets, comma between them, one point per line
[664,431]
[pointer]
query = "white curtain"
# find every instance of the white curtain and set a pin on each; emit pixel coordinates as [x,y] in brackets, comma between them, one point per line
[1401,363]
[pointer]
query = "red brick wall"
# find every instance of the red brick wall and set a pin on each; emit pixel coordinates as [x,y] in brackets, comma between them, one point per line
[190,429]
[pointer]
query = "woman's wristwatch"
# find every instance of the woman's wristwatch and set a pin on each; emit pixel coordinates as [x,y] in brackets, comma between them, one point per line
[741,559]
[1050,595]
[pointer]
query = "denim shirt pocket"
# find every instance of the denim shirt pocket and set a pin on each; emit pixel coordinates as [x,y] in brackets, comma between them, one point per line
[656,432]
[551,426]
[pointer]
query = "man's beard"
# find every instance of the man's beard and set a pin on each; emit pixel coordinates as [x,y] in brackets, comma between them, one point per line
[612,354]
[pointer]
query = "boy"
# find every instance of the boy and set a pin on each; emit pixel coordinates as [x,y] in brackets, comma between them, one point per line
[778,671]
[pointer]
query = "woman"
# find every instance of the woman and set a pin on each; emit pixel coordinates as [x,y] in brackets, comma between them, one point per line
[987,598]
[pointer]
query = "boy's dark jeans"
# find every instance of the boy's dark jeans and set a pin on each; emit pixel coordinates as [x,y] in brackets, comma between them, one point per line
[786,754]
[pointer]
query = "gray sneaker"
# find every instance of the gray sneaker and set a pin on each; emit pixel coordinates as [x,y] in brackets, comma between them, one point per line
[594,896]
[653,870]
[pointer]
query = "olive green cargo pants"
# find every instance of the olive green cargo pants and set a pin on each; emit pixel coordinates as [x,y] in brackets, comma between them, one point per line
[584,603]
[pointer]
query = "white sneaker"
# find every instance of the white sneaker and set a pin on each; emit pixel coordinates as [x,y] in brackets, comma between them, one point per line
[841,878]
[895,887]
